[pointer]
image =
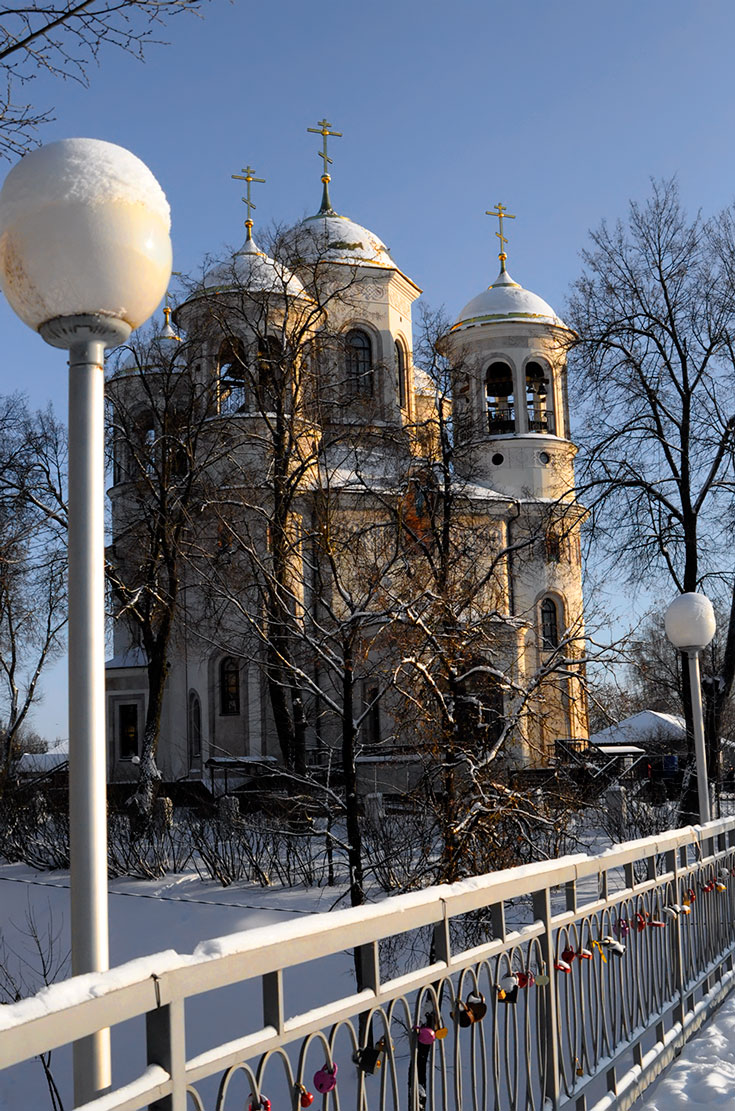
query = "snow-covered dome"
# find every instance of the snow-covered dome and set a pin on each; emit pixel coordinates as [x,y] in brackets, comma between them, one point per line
[506,300]
[329,237]
[252,270]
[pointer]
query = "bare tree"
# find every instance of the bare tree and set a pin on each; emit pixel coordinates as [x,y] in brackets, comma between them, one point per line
[296,585]
[461,665]
[34,960]
[64,40]
[654,312]
[163,466]
[32,563]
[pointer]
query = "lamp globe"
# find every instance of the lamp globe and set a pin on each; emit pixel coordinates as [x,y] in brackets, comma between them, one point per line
[690,622]
[84,233]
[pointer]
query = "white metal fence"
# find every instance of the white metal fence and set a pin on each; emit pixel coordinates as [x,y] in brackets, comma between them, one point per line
[592,1037]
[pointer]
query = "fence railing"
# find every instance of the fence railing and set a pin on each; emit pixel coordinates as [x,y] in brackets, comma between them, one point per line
[593,970]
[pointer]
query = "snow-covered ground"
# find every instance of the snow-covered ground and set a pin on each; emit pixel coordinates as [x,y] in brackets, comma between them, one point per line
[178,912]
[704,1075]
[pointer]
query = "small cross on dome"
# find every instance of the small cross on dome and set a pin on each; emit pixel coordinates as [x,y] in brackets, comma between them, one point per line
[323,128]
[501,213]
[247,175]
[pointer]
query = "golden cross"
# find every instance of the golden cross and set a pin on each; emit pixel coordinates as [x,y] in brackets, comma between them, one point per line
[323,130]
[248,176]
[501,214]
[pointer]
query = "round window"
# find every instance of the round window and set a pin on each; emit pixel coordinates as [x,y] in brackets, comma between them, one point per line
[498,459]
[544,457]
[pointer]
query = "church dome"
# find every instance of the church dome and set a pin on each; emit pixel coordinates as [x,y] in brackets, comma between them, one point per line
[329,237]
[250,269]
[506,300]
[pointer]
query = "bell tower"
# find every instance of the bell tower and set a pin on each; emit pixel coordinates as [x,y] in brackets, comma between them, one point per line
[507,351]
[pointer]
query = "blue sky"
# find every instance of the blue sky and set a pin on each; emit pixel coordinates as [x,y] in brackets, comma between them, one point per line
[560,109]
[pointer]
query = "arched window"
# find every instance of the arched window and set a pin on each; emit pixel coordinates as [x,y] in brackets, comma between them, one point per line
[128,729]
[149,445]
[232,377]
[195,726]
[553,544]
[499,398]
[359,364]
[270,372]
[549,624]
[540,417]
[119,472]
[401,375]
[229,686]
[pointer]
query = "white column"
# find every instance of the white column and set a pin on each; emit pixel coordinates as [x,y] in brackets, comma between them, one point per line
[87,737]
[699,749]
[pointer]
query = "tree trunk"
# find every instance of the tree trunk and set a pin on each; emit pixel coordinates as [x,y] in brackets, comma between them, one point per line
[149,777]
[349,771]
[279,705]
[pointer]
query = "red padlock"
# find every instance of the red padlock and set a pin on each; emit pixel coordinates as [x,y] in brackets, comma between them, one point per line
[306,1098]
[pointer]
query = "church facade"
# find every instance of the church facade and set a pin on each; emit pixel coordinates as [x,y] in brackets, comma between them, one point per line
[317,590]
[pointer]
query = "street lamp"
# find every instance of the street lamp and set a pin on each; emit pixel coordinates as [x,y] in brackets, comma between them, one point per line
[85,257]
[690,625]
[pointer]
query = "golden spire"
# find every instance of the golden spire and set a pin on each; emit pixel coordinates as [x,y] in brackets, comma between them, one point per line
[168,332]
[248,176]
[323,129]
[501,214]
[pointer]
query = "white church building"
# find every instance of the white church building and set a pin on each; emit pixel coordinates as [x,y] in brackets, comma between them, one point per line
[514,457]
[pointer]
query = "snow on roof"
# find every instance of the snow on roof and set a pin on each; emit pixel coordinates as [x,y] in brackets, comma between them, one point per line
[506,300]
[237,761]
[646,725]
[330,237]
[252,270]
[621,750]
[35,763]
[480,491]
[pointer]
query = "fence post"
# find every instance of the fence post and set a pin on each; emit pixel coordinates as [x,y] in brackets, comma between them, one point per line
[677,955]
[272,989]
[369,962]
[440,939]
[548,1017]
[166,1046]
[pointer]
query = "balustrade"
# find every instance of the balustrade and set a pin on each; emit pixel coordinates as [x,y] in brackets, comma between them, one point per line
[564,984]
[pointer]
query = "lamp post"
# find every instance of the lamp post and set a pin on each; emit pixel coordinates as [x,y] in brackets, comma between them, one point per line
[690,625]
[85,257]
